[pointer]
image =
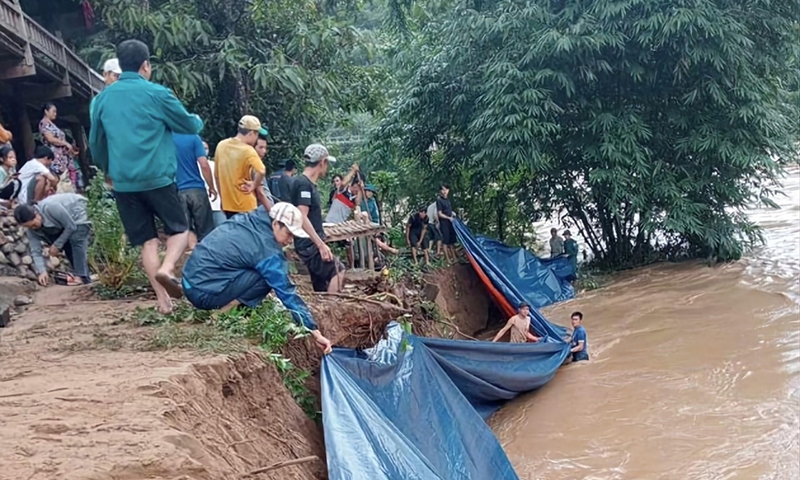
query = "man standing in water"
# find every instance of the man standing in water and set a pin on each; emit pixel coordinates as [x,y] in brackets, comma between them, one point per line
[326,271]
[579,346]
[520,326]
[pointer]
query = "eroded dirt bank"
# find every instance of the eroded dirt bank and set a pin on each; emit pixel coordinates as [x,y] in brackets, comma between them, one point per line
[83,395]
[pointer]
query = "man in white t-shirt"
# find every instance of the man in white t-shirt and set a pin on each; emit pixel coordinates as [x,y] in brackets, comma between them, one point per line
[434,235]
[37,180]
[216,204]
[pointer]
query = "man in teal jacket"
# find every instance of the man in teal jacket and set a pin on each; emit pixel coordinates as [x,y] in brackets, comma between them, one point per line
[131,142]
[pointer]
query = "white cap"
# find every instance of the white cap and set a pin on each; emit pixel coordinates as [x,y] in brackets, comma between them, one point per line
[289,215]
[112,65]
[315,153]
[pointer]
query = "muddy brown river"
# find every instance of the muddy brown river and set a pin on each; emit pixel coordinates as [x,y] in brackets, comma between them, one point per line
[695,373]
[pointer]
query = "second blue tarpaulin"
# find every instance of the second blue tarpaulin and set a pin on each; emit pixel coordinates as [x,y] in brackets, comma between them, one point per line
[521,276]
[414,408]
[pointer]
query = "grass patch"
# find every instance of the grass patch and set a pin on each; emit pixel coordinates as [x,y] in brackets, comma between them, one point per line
[269,326]
[203,338]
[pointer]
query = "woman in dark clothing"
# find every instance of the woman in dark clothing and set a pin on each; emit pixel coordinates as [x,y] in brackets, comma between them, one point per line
[10,183]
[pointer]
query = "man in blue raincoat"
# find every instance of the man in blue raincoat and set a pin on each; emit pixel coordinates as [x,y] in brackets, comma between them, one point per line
[242,260]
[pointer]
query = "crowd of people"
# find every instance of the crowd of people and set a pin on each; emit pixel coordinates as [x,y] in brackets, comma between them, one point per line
[231,216]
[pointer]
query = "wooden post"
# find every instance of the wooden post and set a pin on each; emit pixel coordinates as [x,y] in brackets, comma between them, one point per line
[361,251]
[370,258]
[79,136]
[25,129]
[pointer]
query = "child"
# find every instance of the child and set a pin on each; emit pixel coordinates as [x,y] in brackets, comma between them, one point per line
[579,345]
[520,326]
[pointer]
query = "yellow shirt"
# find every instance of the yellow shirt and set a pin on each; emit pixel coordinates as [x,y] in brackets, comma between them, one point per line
[233,161]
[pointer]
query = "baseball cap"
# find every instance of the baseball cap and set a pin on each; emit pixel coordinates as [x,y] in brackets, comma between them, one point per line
[371,188]
[289,215]
[112,65]
[315,152]
[249,122]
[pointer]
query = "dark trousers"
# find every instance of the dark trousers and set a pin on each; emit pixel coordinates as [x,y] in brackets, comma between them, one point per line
[198,211]
[248,287]
[77,252]
[11,190]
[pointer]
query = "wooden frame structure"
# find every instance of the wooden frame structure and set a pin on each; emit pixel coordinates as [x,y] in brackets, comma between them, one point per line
[361,233]
[28,49]
[35,67]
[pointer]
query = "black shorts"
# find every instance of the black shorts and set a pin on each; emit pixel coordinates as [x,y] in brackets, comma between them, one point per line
[138,212]
[434,235]
[414,237]
[321,272]
[448,232]
[197,209]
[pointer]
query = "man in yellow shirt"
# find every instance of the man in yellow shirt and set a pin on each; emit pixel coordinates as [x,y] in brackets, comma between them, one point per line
[234,159]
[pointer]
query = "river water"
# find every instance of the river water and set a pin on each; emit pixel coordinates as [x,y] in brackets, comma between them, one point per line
[695,373]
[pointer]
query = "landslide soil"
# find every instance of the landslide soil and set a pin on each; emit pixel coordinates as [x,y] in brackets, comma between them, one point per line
[84,396]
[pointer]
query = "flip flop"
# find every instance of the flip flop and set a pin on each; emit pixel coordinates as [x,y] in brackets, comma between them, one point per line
[171,284]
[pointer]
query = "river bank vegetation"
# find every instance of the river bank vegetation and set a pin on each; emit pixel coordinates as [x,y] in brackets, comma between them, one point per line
[647,125]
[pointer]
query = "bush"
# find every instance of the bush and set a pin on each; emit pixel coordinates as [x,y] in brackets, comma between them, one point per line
[116,263]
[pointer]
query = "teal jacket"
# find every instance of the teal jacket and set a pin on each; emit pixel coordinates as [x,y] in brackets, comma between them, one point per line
[131,135]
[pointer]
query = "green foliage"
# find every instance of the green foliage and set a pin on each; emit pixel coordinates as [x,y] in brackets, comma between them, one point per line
[292,64]
[268,324]
[647,125]
[116,263]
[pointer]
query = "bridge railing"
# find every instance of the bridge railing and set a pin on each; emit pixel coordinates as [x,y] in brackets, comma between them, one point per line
[17,24]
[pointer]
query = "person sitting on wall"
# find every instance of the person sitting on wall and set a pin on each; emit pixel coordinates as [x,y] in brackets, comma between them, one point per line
[37,181]
[10,184]
[242,260]
[520,326]
[61,221]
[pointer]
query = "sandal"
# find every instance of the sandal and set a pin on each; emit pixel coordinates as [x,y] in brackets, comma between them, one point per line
[171,284]
[68,279]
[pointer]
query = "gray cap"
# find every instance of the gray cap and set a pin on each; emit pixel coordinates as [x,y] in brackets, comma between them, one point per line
[315,153]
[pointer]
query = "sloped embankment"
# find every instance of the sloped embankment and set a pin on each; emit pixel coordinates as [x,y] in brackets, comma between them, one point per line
[85,396]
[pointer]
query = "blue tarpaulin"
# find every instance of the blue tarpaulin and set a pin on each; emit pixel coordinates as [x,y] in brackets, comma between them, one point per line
[521,276]
[413,408]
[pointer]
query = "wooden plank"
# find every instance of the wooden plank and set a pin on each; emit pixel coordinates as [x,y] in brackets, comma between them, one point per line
[41,94]
[337,238]
[16,69]
[370,258]
[361,250]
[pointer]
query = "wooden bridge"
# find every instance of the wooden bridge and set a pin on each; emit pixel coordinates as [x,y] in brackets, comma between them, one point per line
[29,52]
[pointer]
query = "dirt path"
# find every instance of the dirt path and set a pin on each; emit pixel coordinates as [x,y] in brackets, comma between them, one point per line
[79,399]
[86,396]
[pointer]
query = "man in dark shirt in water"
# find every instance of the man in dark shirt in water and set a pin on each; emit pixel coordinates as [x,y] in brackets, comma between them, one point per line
[579,346]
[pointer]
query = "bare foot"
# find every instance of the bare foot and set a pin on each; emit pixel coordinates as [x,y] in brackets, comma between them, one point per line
[227,308]
[165,306]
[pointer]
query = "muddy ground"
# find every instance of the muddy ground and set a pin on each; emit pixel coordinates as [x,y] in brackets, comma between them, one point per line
[86,395]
